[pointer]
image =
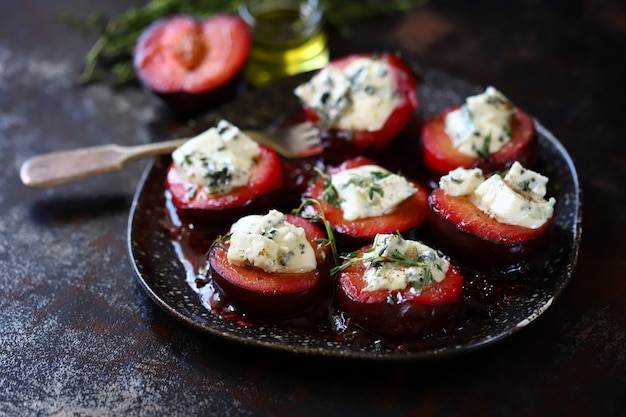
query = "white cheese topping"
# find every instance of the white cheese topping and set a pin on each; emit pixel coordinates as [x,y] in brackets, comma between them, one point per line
[482,125]
[369,190]
[394,263]
[271,243]
[461,181]
[526,181]
[516,199]
[360,96]
[219,158]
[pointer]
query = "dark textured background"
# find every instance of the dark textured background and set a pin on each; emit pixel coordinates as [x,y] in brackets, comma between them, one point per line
[78,335]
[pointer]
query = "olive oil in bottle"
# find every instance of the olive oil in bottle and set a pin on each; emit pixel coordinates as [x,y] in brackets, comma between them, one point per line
[288,38]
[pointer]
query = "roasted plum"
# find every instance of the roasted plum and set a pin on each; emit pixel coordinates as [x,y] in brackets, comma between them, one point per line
[340,107]
[494,221]
[487,131]
[403,313]
[471,235]
[274,295]
[408,214]
[191,63]
[221,175]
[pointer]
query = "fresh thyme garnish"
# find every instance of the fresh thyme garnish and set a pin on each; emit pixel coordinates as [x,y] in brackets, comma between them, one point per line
[508,131]
[484,151]
[111,55]
[313,216]
[353,258]
[371,183]
[192,191]
[330,194]
[220,242]
[427,278]
[374,186]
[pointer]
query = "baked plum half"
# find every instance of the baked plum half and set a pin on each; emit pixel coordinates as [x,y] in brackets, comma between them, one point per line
[274,266]
[487,132]
[491,222]
[399,288]
[191,63]
[221,175]
[361,199]
[360,102]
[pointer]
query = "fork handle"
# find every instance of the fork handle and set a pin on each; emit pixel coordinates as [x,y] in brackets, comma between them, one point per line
[61,167]
[55,168]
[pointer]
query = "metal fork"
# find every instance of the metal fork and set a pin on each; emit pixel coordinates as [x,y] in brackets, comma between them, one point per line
[61,167]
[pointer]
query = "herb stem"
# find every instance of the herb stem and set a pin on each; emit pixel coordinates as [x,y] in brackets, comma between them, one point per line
[331,241]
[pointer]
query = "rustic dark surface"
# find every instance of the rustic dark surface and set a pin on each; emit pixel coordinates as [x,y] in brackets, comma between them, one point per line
[78,335]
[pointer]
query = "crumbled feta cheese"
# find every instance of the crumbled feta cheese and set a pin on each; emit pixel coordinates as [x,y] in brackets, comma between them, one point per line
[394,263]
[369,190]
[360,96]
[461,181]
[482,125]
[219,158]
[271,243]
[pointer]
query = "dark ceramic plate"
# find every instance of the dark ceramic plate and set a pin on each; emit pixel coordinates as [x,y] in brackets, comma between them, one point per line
[164,276]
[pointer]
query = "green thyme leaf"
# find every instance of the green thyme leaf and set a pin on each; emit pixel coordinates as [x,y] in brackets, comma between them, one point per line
[483,152]
[315,216]
[353,258]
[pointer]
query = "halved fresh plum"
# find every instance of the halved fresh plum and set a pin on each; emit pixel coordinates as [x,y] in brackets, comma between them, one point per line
[407,215]
[440,156]
[401,314]
[272,295]
[471,235]
[197,205]
[371,142]
[191,63]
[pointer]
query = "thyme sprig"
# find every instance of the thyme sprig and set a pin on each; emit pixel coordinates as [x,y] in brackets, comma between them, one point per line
[221,242]
[483,152]
[371,183]
[111,54]
[316,216]
[330,194]
[352,258]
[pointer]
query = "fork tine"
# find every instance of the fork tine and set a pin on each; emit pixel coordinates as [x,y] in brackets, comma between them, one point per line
[304,127]
[297,141]
[312,139]
[305,139]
